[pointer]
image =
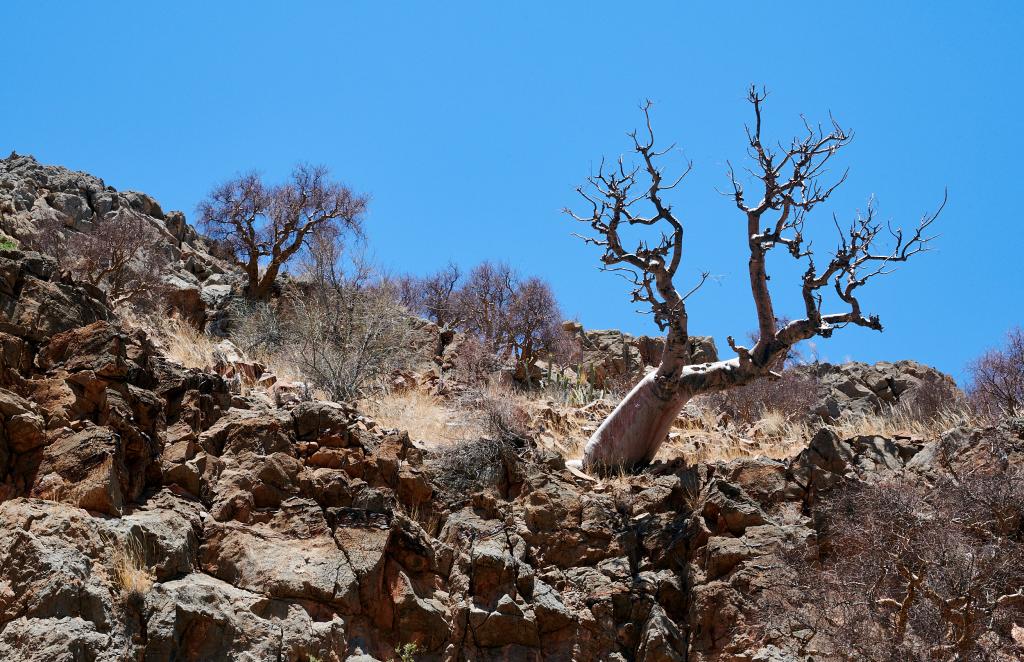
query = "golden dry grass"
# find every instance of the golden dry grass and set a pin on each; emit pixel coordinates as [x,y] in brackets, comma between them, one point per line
[130,571]
[426,417]
[702,438]
[897,421]
[178,340]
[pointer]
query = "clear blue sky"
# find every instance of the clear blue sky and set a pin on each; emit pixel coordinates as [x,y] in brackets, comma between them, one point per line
[470,124]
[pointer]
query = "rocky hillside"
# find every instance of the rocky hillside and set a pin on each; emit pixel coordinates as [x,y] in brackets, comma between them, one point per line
[149,514]
[150,511]
[37,199]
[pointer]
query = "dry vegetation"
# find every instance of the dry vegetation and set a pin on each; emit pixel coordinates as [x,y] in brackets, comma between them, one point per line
[179,339]
[130,571]
[911,571]
[428,418]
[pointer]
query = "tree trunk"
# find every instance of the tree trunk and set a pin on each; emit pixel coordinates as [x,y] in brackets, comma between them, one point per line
[631,435]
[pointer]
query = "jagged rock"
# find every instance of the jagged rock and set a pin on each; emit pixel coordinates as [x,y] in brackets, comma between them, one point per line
[167,524]
[859,389]
[33,191]
[611,355]
[199,617]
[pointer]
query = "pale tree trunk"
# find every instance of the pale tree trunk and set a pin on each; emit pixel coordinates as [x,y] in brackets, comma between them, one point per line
[631,435]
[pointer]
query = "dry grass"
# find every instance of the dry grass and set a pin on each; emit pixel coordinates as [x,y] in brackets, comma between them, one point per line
[898,421]
[426,418]
[700,437]
[130,571]
[179,340]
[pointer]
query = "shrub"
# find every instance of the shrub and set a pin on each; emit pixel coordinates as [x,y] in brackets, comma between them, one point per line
[910,571]
[997,378]
[469,466]
[121,254]
[505,419]
[474,362]
[792,395]
[343,331]
[510,319]
[133,577]
[933,398]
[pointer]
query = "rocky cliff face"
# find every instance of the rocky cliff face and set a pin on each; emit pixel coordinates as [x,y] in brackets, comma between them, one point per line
[34,196]
[146,513]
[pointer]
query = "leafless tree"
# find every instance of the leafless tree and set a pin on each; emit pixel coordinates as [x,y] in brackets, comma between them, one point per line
[997,378]
[534,325]
[437,296]
[908,571]
[122,254]
[789,186]
[265,226]
[484,301]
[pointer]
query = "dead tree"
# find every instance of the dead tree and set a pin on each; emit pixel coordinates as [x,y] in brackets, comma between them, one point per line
[266,226]
[790,186]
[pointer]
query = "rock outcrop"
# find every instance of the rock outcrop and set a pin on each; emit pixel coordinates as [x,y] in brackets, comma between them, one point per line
[34,196]
[609,356]
[860,389]
[149,513]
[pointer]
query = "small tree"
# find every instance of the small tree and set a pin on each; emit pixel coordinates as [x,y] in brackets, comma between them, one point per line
[122,254]
[997,378]
[436,296]
[484,303]
[534,325]
[266,226]
[789,182]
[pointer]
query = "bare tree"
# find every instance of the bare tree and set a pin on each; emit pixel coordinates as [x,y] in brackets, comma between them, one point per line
[266,226]
[790,186]
[997,378]
[122,254]
[534,325]
[484,302]
[436,296]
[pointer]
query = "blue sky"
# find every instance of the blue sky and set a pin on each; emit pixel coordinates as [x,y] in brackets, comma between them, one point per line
[470,124]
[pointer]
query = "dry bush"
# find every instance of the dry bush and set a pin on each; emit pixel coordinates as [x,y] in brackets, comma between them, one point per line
[934,397]
[908,571]
[256,326]
[474,362]
[511,320]
[472,465]
[997,379]
[504,417]
[180,340]
[121,253]
[344,331]
[348,339]
[791,395]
